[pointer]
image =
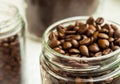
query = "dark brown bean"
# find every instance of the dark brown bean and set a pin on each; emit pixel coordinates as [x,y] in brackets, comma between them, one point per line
[61,29]
[94,48]
[59,50]
[114,27]
[75,43]
[67,45]
[53,43]
[83,28]
[84,50]
[90,33]
[111,39]
[95,35]
[99,21]
[90,20]
[117,41]
[74,51]
[117,34]
[52,36]
[76,37]
[85,41]
[79,81]
[98,54]
[106,51]
[70,32]
[91,27]
[103,43]
[103,36]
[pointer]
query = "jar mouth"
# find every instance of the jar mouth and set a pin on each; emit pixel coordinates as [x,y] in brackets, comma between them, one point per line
[76,18]
[9,19]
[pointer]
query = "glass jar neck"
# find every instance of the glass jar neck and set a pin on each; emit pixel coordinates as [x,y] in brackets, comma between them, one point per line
[10,20]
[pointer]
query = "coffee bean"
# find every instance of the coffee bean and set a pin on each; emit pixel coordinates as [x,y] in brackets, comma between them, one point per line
[117,34]
[52,36]
[90,32]
[61,35]
[103,43]
[76,28]
[115,48]
[74,51]
[61,29]
[53,43]
[98,54]
[75,43]
[114,27]
[98,27]
[76,37]
[91,27]
[95,35]
[84,50]
[67,45]
[70,32]
[103,36]
[79,81]
[117,41]
[59,50]
[104,31]
[111,39]
[83,28]
[99,21]
[90,20]
[106,51]
[85,41]
[94,48]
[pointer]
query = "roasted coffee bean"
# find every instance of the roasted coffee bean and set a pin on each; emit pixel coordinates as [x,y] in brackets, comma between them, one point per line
[53,43]
[90,32]
[106,51]
[61,29]
[99,21]
[98,54]
[59,50]
[103,36]
[77,23]
[114,27]
[115,48]
[94,48]
[61,35]
[103,43]
[70,32]
[52,36]
[74,51]
[67,45]
[85,41]
[75,43]
[76,28]
[83,28]
[98,27]
[76,37]
[79,81]
[95,35]
[117,34]
[84,50]
[111,39]
[90,21]
[104,31]
[117,41]
[91,27]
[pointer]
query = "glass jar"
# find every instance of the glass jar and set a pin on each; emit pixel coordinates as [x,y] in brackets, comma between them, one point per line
[11,44]
[42,13]
[60,69]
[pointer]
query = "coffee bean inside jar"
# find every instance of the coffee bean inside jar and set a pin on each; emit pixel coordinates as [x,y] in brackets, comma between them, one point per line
[11,44]
[81,50]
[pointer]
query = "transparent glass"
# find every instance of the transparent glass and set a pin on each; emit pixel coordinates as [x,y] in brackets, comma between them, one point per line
[60,69]
[11,44]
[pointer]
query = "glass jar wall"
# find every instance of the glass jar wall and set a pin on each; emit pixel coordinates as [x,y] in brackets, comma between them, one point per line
[60,69]
[11,44]
[42,13]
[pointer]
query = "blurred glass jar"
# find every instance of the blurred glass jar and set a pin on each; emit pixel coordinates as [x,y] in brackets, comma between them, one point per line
[12,42]
[60,69]
[42,13]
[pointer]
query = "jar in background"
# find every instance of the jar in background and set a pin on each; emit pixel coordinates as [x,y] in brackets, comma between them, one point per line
[60,69]
[42,13]
[11,44]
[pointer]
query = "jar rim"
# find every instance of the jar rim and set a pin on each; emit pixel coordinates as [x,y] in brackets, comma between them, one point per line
[10,19]
[76,18]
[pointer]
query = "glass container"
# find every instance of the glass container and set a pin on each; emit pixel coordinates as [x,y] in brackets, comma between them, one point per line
[60,69]
[12,40]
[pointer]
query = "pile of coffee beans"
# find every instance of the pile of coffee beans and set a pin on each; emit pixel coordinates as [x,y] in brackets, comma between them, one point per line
[90,39]
[10,58]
